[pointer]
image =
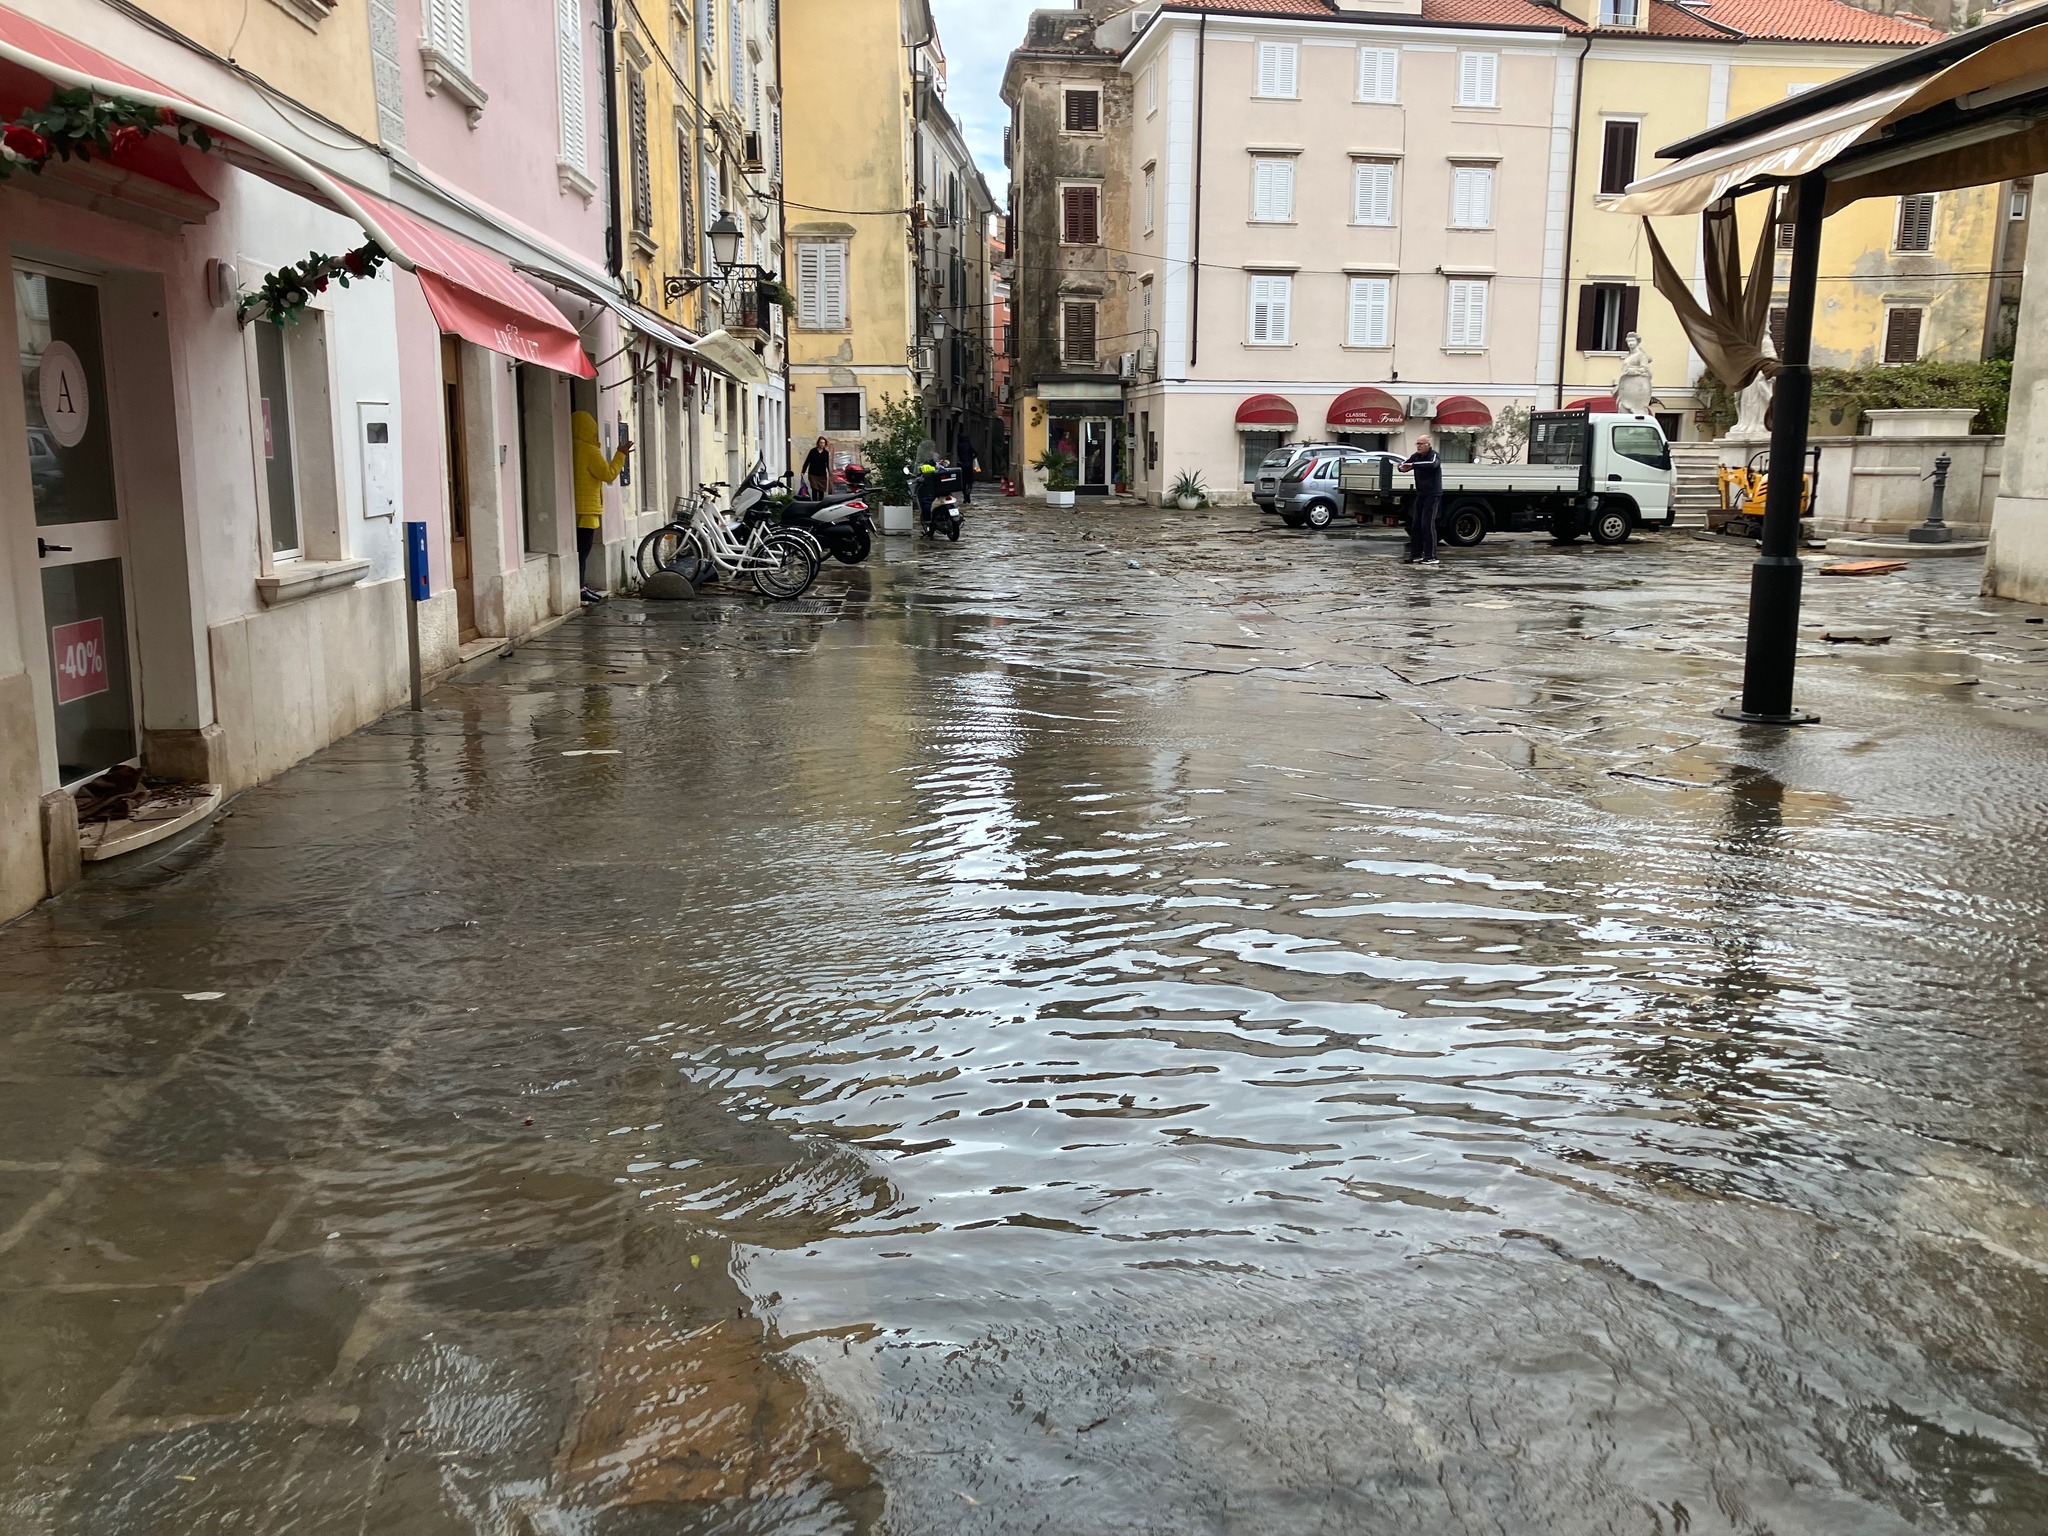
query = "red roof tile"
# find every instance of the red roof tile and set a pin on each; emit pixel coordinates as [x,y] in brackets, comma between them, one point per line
[1815,21]
[1800,21]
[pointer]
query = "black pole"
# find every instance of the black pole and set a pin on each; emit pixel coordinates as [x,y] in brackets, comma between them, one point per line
[1776,578]
[614,230]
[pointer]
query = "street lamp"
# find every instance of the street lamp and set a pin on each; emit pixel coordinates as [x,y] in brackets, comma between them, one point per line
[725,236]
[939,324]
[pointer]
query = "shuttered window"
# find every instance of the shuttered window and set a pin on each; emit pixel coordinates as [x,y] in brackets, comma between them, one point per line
[1279,67]
[1077,331]
[686,198]
[1902,335]
[1778,330]
[821,285]
[1607,313]
[1472,197]
[643,178]
[1272,188]
[737,40]
[1272,296]
[1618,157]
[1084,111]
[1151,198]
[575,140]
[1478,79]
[1916,223]
[712,209]
[1379,74]
[1372,192]
[1371,302]
[707,26]
[1465,321]
[1081,215]
[448,31]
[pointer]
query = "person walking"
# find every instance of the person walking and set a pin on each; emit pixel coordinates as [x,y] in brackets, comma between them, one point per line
[818,471]
[970,466]
[593,473]
[1428,471]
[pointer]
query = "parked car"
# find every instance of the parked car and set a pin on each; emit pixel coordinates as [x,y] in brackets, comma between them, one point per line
[1310,494]
[1266,488]
[45,468]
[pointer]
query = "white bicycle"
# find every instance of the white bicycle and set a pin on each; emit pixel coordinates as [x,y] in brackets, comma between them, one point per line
[781,564]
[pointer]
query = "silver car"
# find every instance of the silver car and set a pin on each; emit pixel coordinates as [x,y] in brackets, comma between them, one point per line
[1266,488]
[1309,494]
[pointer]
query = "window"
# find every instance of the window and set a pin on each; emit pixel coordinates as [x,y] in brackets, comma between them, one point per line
[1617,13]
[1618,156]
[1084,111]
[713,206]
[1788,227]
[1465,319]
[707,26]
[1081,214]
[575,139]
[1279,66]
[737,47]
[2018,207]
[643,179]
[1272,295]
[1478,79]
[1272,188]
[1077,332]
[686,197]
[1472,197]
[1145,313]
[1371,301]
[447,26]
[1778,330]
[1372,192]
[1151,90]
[1916,223]
[821,285]
[1258,446]
[1902,335]
[1643,444]
[841,412]
[280,469]
[1607,313]
[1379,74]
[1151,197]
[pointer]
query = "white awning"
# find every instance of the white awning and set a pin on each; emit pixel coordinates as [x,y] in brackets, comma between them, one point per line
[729,355]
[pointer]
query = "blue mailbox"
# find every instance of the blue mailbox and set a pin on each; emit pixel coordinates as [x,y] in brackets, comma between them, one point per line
[416,577]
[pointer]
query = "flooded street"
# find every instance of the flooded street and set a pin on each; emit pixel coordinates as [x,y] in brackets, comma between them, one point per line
[1121,1026]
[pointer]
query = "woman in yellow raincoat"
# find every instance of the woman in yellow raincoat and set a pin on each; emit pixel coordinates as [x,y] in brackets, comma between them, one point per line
[593,473]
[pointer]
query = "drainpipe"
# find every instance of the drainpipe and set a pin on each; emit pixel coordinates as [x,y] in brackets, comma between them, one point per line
[1195,271]
[1571,213]
[615,232]
[782,237]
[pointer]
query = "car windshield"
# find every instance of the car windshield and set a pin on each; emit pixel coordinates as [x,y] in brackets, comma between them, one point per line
[1278,459]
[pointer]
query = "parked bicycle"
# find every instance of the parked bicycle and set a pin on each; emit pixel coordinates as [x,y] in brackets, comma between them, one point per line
[702,540]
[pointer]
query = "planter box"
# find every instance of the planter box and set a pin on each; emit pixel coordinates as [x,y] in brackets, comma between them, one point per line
[1059,498]
[897,519]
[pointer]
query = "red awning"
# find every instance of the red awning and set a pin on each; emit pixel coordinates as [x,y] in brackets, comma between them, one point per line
[1366,408]
[1600,404]
[481,299]
[1462,411]
[1263,413]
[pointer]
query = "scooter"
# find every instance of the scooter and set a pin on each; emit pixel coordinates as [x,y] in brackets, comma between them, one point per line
[942,503]
[841,526]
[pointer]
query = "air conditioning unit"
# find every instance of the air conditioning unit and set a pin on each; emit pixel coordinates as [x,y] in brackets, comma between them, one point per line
[1420,408]
[1148,360]
[1127,365]
[750,151]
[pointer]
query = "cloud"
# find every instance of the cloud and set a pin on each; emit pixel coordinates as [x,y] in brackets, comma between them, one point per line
[978,35]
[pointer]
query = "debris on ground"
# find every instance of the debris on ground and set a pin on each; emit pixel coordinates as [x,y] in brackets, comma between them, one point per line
[1863,568]
[1857,636]
[123,794]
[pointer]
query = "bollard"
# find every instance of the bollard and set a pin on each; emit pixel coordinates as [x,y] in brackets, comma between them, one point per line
[1934,530]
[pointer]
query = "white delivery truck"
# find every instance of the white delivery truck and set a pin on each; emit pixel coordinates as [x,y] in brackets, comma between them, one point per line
[1604,475]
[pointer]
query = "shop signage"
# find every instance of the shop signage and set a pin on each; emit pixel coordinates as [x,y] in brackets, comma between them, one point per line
[67,405]
[80,654]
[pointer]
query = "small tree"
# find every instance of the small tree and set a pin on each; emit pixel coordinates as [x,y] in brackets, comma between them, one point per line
[1058,467]
[897,430]
[1505,440]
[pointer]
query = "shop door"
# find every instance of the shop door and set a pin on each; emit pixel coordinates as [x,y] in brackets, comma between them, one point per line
[79,537]
[458,490]
[1094,473]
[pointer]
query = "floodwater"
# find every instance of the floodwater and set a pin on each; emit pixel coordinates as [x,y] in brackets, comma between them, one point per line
[1258,1042]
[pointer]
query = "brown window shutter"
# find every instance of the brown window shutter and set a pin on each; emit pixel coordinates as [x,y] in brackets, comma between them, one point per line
[1084,111]
[1617,158]
[643,179]
[1902,336]
[1080,329]
[1589,317]
[1631,308]
[1916,222]
[1081,218]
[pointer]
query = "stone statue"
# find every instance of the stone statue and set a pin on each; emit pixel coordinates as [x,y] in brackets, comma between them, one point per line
[1753,404]
[1633,389]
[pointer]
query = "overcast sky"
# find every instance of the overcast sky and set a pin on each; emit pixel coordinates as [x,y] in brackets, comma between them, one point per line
[979,35]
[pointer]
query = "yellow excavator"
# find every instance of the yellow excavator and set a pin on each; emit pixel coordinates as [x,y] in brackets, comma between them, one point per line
[1743,492]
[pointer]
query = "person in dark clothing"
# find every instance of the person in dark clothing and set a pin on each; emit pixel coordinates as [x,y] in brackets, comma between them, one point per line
[970,465]
[1428,471]
[818,470]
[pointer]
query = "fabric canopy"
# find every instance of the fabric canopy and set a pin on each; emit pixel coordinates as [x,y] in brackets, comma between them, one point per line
[1364,408]
[729,355]
[1463,411]
[481,299]
[1599,405]
[1262,413]
[1731,334]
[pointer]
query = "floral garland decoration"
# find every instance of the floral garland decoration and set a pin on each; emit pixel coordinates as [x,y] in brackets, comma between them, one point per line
[76,124]
[287,291]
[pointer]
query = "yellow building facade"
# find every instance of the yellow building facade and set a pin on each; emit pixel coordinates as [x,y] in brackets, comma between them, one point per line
[1900,280]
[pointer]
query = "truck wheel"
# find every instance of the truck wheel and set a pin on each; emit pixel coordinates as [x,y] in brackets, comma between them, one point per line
[1565,528]
[1466,525]
[1612,525]
[1319,514]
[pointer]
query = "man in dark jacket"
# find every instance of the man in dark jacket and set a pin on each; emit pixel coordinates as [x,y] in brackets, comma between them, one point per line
[1428,470]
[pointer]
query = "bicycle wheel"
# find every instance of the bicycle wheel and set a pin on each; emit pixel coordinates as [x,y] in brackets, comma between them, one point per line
[793,567]
[661,549]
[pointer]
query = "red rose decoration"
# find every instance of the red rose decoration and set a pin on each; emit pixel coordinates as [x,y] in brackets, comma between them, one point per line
[167,117]
[352,262]
[125,138]
[26,142]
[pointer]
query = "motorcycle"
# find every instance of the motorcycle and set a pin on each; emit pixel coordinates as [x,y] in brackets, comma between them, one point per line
[941,500]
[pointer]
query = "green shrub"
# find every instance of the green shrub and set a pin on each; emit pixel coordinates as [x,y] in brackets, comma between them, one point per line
[1842,395]
[896,429]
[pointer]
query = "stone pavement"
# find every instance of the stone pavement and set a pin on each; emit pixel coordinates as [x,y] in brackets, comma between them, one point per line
[1134,1022]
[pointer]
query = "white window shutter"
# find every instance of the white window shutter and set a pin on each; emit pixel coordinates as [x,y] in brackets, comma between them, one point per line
[1372,200]
[1273,189]
[1477,79]
[833,305]
[569,83]
[1379,74]
[1270,296]
[736,35]
[1277,67]
[810,287]
[1369,302]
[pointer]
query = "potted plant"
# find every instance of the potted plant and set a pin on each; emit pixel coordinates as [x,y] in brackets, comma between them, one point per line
[897,431]
[1188,492]
[1057,465]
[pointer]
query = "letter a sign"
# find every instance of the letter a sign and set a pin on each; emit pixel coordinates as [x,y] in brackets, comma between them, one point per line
[67,405]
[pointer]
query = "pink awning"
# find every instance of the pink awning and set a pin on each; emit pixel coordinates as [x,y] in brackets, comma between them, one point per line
[1264,412]
[1462,411]
[1366,408]
[481,299]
